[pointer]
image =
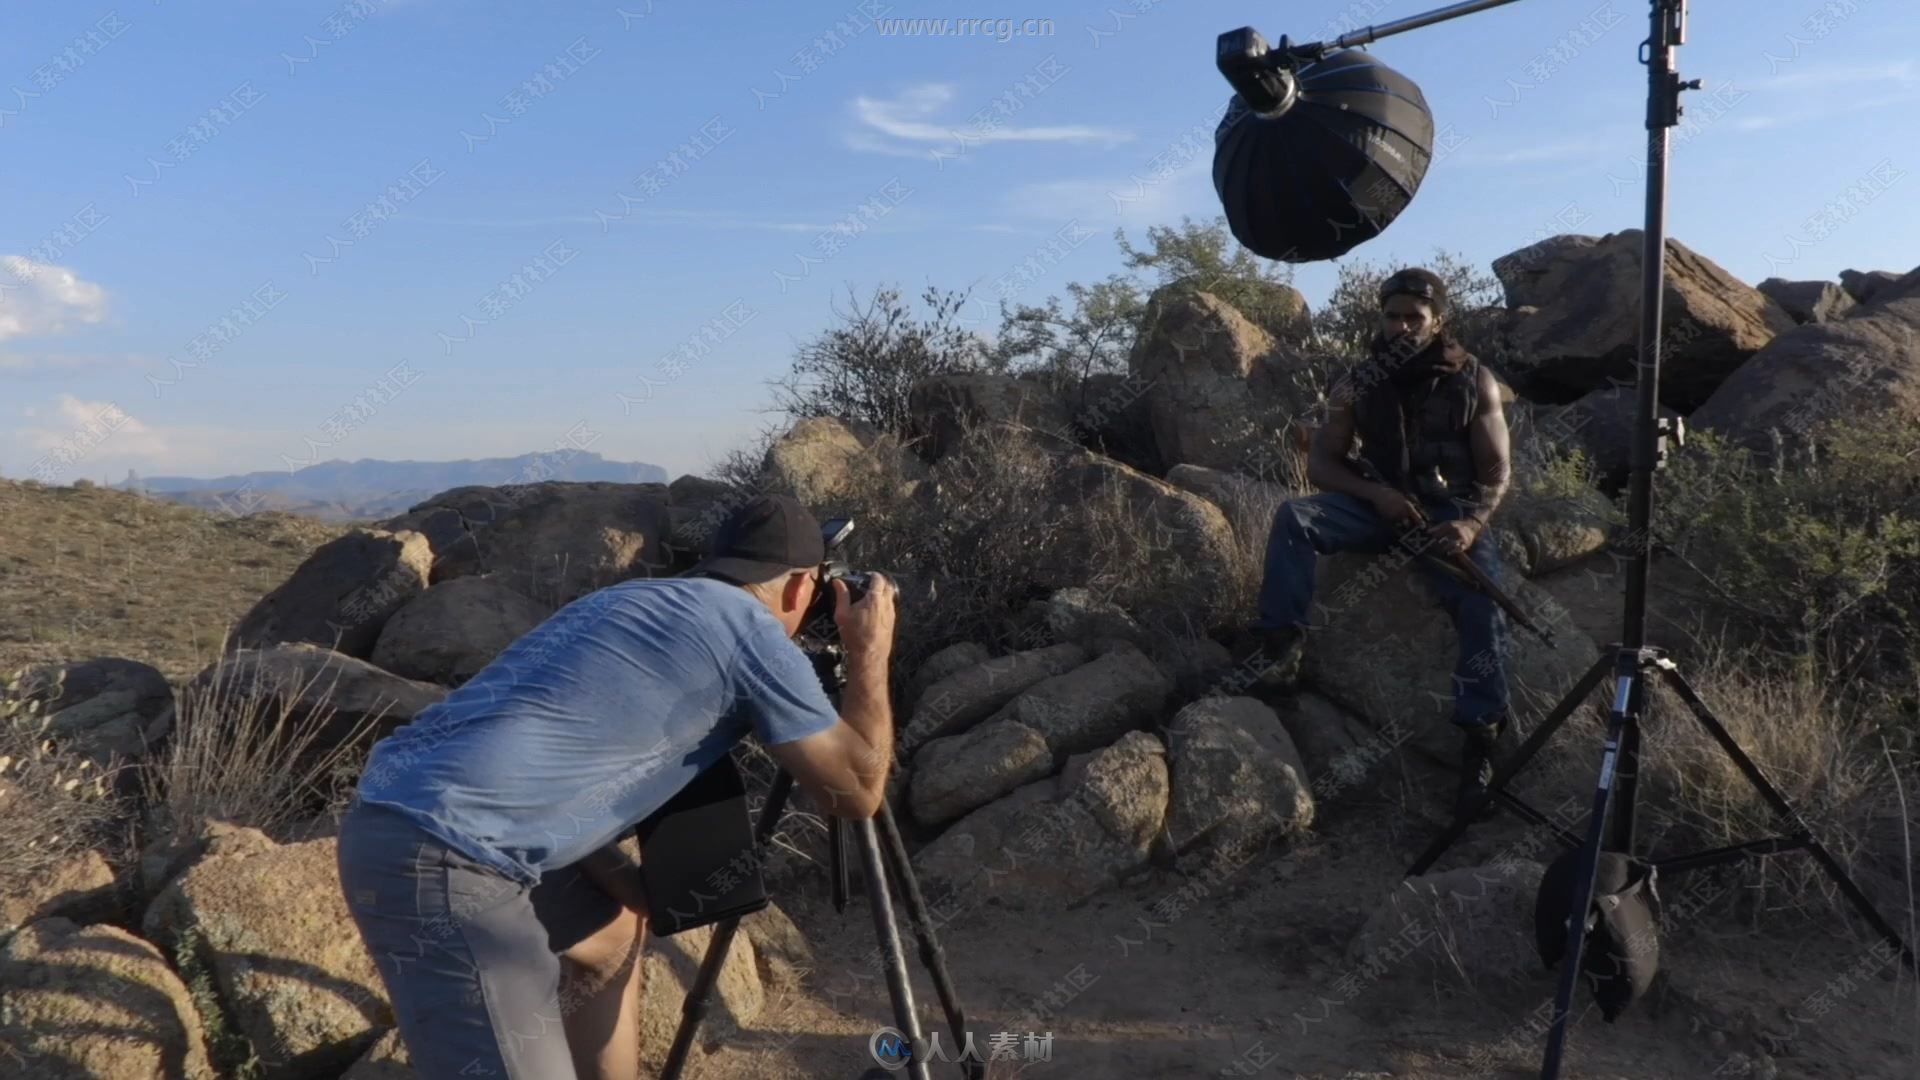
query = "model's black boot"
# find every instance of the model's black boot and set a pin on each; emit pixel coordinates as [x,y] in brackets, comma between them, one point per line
[1476,768]
[1270,658]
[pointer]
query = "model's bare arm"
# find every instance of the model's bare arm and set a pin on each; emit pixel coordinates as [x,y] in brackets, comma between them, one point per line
[1492,452]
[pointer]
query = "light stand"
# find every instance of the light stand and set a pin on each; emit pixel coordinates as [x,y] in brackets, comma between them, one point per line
[827,662]
[1265,81]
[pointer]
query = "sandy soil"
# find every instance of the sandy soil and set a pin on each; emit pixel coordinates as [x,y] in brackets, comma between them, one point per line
[1244,983]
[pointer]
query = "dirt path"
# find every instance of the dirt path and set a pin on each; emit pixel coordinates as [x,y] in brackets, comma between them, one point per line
[1248,981]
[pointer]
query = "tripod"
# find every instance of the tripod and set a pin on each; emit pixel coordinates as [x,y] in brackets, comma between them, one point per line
[1632,661]
[899,988]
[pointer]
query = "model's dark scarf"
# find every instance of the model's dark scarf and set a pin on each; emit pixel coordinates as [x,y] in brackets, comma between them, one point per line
[1441,356]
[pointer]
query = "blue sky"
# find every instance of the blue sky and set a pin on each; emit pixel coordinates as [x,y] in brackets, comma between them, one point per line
[256,235]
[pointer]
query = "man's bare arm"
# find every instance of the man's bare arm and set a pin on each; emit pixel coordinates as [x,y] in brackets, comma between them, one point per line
[844,768]
[1492,454]
[1327,468]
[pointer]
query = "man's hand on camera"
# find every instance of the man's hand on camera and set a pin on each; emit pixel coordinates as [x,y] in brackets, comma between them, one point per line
[866,628]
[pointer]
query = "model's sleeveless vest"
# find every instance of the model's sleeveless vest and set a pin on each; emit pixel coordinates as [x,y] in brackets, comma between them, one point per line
[1420,443]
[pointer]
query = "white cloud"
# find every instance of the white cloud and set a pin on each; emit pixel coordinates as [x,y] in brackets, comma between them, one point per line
[75,437]
[644,216]
[39,361]
[41,298]
[911,117]
[1903,72]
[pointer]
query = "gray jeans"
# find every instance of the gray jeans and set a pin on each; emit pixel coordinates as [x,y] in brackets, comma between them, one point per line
[470,958]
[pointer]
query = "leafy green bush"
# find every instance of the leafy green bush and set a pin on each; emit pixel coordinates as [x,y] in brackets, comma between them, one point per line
[1816,550]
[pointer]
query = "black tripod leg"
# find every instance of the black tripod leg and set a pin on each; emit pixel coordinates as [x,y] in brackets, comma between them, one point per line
[931,954]
[837,861]
[898,986]
[694,1009]
[1802,832]
[1505,771]
[1618,720]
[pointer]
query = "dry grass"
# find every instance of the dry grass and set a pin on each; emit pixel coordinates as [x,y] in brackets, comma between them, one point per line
[88,572]
[1817,750]
[55,805]
[244,749]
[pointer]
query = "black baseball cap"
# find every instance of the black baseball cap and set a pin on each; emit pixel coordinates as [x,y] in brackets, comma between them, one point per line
[766,537]
[1416,282]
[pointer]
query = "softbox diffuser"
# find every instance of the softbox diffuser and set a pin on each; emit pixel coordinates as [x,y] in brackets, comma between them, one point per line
[1330,172]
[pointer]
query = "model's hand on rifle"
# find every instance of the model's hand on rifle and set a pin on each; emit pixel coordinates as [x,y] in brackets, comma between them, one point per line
[1395,509]
[1454,537]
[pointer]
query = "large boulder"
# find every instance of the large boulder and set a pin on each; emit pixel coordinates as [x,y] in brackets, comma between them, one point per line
[1112,413]
[1533,276]
[1210,370]
[1104,512]
[1060,840]
[1584,334]
[1237,779]
[943,408]
[958,702]
[95,1001]
[271,925]
[1384,648]
[1600,425]
[303,692]
[108,709]
[1863,285]
[1808,301]
[961,773]
[1092,705]
[81,888]
[342,595]
[1821,372]
[951,660]
[554,540]
[448,633]
[1074,712]
[824,461]
[1248,504]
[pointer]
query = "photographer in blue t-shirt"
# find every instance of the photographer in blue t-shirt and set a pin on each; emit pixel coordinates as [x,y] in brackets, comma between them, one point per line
[480,859]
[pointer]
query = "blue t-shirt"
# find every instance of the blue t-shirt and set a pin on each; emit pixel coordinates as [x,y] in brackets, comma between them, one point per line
[592,720]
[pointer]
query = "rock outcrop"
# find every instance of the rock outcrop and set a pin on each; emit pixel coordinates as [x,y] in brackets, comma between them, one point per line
[1584,334]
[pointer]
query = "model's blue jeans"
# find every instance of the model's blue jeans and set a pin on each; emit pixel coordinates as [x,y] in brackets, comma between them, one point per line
[1332,522]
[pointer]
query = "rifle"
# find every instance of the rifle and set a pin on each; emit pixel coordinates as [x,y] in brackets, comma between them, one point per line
[1462,568]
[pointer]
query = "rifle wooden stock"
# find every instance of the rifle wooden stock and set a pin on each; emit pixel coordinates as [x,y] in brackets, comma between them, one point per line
[1460,566]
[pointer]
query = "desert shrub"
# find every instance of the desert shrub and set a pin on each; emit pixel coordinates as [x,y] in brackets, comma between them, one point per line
[1823,753]
[1350,317]
[56,805]
[1814,550]
[866,368]
[959,549]
[1206,257]
[246,750]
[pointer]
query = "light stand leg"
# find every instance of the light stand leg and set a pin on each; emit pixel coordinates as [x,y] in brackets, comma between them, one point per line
[1802,835]
[1619,722]
[1505,771]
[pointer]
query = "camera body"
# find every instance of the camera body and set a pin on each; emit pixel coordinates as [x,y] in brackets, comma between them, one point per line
[834,531]
[820,635]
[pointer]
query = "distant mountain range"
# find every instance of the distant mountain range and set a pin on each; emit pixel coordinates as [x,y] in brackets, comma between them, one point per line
[370,488]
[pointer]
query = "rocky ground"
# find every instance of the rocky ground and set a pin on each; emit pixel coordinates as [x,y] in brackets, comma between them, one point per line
[1170,863]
